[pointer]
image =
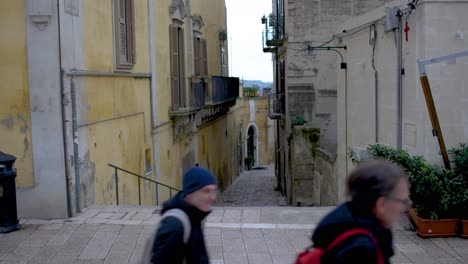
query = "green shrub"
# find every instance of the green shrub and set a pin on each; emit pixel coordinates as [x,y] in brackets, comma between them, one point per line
[436,192]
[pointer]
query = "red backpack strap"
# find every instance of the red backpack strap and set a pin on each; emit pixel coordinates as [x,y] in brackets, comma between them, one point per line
[355,232]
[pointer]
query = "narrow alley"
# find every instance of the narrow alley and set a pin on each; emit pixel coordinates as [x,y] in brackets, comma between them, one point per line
[253,188]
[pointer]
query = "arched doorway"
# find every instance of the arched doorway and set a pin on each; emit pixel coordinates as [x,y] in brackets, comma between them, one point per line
[251,158]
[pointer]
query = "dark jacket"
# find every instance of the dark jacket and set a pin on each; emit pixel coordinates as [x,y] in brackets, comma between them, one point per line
[358,249]
[169,245]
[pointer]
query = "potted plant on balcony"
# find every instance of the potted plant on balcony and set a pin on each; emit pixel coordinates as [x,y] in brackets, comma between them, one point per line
[249,162]
[459,157]
[437,193]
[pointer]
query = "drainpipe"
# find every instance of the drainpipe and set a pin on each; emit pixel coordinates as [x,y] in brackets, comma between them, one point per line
[64,127]
[75,146]
[399,82]
[154,96]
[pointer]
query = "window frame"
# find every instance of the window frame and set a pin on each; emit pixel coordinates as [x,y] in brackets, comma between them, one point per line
[125,55]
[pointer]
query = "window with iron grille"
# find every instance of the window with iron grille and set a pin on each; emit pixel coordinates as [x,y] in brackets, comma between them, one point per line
[124,34]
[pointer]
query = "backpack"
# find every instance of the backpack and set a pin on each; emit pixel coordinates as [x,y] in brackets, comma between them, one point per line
[313,255]
[182,217]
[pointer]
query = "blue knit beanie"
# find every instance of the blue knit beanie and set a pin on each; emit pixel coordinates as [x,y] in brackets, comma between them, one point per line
[196,178]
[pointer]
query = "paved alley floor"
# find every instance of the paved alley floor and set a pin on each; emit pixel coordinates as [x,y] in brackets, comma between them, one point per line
[253,188]
[247,225]
[117,234]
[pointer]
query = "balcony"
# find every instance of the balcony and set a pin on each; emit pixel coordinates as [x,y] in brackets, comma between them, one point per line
[221,89]
[206,92]
[276,106]
[273,35]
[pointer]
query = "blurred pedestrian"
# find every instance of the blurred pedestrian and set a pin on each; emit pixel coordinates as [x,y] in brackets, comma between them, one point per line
[378,193]
[179,237]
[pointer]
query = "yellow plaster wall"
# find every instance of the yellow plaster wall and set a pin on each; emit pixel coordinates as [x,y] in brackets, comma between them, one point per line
[98,34]
[15,119]
[119,132]
[214,16]
[120,106]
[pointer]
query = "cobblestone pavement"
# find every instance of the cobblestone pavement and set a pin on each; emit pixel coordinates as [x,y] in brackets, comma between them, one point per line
[117,234]
[253,188]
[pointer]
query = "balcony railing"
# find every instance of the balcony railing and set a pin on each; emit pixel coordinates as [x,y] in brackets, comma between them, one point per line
[273,35]
[220,89]
[197,93]
[208,90]
[276,106]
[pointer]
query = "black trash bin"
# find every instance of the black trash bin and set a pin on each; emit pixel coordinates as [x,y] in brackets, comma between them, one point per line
[8,214]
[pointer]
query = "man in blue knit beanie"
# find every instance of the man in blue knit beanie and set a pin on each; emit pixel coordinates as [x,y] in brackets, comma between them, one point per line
[179,238]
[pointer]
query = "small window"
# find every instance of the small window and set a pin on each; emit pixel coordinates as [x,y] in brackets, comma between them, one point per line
[124,34]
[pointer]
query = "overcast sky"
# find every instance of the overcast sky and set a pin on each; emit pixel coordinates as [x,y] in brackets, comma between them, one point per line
[247,59]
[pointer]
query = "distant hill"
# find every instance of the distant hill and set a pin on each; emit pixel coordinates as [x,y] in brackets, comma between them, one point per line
[250,83]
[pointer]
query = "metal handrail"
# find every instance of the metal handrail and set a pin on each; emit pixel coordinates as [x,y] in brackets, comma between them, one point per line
[139,186]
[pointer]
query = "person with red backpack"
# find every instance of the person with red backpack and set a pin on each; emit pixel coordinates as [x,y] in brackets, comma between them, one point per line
[359,231]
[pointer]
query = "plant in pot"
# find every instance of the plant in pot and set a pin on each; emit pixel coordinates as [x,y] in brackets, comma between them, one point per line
[437,193]
[459,157]
[249,162]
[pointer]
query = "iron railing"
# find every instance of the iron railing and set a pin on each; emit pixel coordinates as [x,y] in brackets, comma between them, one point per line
[273,35]
[157,184]
[197,93]
[276,106]
[221,89]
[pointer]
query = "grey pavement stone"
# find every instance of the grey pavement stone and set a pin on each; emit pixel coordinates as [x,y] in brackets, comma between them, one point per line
[45,254]
[256,245]
[88,261]
[109,228]
[63,259]
[235,257]
[99,245]
[232,216]
[233,245]
[213,240]
[51,226]
[62,236]
[78,241]
[250,216]
[21,254]
[124,245]
[96,221]
[215,253]
[216,261]
[252,233]
[257,258]
[283,259]
[142,216]
[139,247]
[212,232]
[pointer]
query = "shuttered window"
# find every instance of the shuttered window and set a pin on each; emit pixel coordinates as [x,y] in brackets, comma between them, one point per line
[203,59]
[196,55]
[199,56]
[177,66]
[124,34]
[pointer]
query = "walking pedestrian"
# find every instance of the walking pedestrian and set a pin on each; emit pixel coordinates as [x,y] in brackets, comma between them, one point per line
[182,241]
[379,193]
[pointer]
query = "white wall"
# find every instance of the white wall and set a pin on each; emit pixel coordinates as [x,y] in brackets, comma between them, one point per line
[433,27]
[47,199]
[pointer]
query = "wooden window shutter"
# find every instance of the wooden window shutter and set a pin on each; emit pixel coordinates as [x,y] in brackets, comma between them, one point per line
[131,54]
[125,34]
[196,55]
[181,68]
[204,60]
[174,50]
[122,31]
